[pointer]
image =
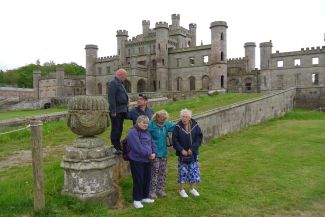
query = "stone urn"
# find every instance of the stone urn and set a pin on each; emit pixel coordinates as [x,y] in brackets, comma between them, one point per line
[88,115]
[88,164]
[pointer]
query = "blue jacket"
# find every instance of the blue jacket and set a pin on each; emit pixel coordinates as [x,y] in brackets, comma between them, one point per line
[159,136]
[117,97]
[181,138]
[136,112]
[141,144]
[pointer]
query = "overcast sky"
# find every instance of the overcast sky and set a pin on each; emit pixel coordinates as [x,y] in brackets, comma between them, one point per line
[58,30]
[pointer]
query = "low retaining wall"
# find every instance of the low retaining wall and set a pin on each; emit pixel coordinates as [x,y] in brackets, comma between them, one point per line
[234,117]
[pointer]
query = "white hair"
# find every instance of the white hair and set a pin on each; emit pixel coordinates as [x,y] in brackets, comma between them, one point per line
[142,118]
[189,112]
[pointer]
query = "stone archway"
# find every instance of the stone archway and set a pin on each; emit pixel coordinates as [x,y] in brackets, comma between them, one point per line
[127,85]
[205,82]
[141,86]
[179,84]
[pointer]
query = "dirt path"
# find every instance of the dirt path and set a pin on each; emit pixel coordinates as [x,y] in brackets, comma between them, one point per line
[24,157]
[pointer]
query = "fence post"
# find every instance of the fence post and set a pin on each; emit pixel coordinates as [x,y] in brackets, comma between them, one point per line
[38,183]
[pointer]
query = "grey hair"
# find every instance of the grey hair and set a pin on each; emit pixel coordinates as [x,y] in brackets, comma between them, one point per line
[183,111]
[142,118]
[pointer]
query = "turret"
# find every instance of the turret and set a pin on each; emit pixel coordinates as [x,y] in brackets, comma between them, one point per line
[250,55]
[162,33]
[175,20]
[36,77]
[60,82]
[91,57]
[122,37]
[192,27]
[218,63]
[145,27]
[265,54]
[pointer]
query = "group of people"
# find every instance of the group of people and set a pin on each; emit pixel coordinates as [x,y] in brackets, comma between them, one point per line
[147,140]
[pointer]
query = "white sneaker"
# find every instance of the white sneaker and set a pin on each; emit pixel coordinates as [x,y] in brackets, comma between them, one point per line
[147,200]
[194,192]
[183,193]
[137,204]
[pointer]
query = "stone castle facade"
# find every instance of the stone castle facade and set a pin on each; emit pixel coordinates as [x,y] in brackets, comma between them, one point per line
[167,58]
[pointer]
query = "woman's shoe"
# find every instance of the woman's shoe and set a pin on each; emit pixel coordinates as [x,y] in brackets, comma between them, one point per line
[183,194]
[137,204]
[194,192]
[147,200]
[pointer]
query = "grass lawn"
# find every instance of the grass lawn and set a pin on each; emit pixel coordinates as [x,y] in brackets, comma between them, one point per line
[271,169]
[29,113]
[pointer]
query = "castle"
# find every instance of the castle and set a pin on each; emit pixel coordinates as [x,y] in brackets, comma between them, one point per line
[167,58]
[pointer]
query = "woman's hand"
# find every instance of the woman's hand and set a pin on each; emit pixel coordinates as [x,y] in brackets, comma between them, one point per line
[184,152]
[152,156]
[189,152]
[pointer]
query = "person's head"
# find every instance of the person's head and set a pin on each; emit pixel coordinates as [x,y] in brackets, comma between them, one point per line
[121,74]
[142,122]
[160,117]
[186,116]
[142,101]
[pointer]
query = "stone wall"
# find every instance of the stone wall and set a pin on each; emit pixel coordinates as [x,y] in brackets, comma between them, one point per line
[12,92]
[234,117]
[311,97]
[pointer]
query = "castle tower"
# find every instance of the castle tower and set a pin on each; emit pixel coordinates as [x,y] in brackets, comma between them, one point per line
[91,58]
[122,37]
[250,55]
[175,20]
[192,27]
[145,27]
[60,82]
[36,77]
[218,63]
[162,56]
[265,54]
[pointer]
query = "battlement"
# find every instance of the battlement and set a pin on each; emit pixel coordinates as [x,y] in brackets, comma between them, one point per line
[122,33]
[107,58]
[146,22]
[161,25]
[176,16]
[250,44]
[303,51]
[192,26]
[218,23]
[266,44]
[237,59]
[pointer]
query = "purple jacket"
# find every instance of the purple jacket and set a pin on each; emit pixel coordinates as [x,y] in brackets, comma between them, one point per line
[141,144]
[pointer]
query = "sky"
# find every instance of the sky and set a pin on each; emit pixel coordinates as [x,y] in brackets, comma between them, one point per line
[58,30]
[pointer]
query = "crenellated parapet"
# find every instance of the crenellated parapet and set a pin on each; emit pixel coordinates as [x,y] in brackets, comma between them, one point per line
[146,22]
[176,16]
[122,33]
[161,25]
[192,26]
[107,58]
[303,51]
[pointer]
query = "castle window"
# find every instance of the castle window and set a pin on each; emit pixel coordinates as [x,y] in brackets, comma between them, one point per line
[206,59]
[297,62]
[315,60]
[264,79]
[108,69]
[143,62]
[99,70]
[119,51]
[163,61]
[159,46]
[221,36]
[188,43]
[221,56]
[280,63]
[191,61]
[179,62]
[315,78]
[222,81]
[129,51]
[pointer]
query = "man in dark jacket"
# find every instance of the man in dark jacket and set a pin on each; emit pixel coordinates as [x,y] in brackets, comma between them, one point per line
[118,107]
[141,109]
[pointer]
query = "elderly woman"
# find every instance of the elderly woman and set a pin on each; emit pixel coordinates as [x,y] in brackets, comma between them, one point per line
[142,153]
[159,127]
[187,137]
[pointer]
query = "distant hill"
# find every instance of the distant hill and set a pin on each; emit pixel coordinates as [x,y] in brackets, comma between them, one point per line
[23,76]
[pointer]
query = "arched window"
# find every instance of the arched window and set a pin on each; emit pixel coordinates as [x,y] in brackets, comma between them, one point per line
[192,83]
[141,86]
[222,81]
[100,89]
[221,56]
[127,85]
[205,82]
[221,36]
[179,84]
